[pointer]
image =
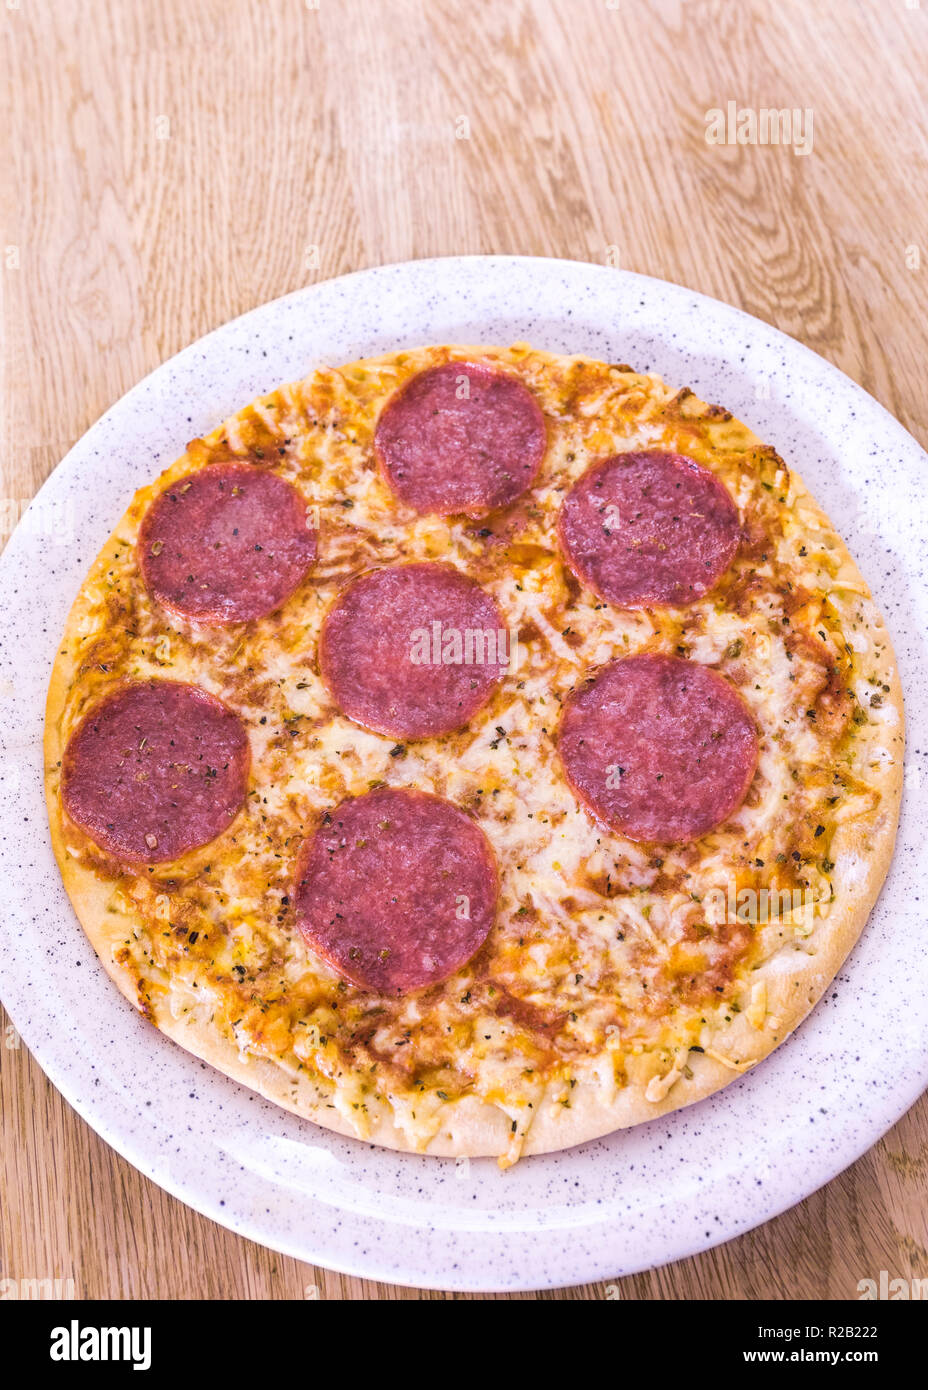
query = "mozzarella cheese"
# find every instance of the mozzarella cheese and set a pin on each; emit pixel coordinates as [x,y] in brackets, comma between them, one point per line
[604,950]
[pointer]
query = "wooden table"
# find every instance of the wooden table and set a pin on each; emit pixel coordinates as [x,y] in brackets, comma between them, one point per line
[172,165]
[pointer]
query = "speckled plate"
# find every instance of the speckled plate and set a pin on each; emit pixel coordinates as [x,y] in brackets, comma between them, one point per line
[637,1198]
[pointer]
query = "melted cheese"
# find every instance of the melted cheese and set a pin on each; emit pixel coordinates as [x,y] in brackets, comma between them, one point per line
[602,950]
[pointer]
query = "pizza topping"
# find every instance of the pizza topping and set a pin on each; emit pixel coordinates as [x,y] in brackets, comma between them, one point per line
[155,770]
[227,544]
[396,889]
[607,959]
[460,438]
[642,528]
[658,748]
[413,651]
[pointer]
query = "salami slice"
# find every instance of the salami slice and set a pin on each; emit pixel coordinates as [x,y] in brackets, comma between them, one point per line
[460,438]
[413,651]
[227,544]
[651,527]
[658,748]
[154,770]
[396,889]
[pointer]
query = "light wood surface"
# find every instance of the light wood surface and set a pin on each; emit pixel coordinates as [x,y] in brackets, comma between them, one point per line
[169,166]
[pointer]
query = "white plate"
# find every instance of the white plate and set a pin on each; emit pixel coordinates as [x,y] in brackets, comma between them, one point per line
[661,1191]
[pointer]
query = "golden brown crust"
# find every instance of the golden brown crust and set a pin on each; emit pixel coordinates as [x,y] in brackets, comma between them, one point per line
[784,985]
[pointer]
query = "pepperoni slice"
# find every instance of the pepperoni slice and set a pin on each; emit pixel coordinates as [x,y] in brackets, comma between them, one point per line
[227,544]
[650,527]
[413,651]
[658,748]
[460,438]
[396,889]
[155,770]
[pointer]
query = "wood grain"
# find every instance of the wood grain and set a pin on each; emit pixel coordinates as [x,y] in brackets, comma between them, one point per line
[171,166]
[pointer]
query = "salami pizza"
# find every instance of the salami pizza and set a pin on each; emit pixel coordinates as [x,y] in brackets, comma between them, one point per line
[475,750]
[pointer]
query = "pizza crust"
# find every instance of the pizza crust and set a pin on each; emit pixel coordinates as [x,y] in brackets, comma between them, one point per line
[861,850]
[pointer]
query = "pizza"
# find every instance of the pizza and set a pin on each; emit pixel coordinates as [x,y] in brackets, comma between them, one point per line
[475,751]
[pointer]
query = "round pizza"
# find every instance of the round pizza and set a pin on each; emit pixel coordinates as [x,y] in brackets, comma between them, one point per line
[475,750]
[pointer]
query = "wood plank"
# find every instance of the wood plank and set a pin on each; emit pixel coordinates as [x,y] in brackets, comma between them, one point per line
[171,166]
